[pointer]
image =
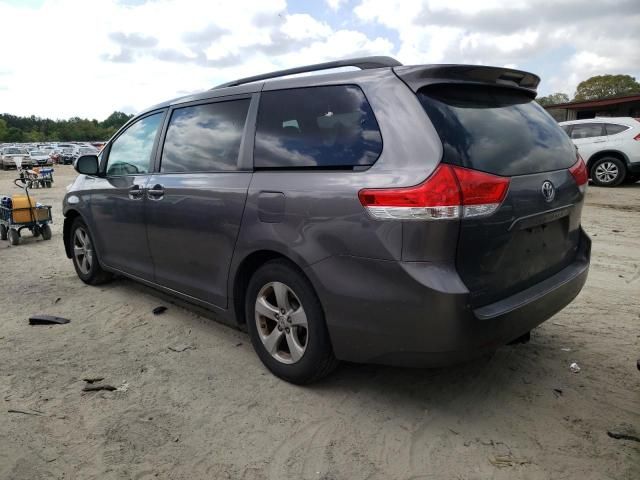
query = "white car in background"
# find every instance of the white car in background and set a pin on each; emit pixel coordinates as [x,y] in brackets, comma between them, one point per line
[610,146]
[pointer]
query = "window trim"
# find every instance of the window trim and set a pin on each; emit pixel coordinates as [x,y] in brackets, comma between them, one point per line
[342,168]
[247,135]
[106,151]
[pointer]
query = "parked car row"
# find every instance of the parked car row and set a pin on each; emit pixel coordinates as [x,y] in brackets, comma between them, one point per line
[33,155]
[610,146]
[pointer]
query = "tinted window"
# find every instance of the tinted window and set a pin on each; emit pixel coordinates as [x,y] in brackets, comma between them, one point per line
[205,138]
[131,152]
[316,127]
[612,128]
[496,130]
[586,130]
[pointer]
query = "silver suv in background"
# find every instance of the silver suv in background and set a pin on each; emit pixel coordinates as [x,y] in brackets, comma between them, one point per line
[610,146]
[403,215]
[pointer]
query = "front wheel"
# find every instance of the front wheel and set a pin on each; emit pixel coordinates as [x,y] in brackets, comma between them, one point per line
[608,172]
[14,237]
[85,259]
[286,324]
[45,230]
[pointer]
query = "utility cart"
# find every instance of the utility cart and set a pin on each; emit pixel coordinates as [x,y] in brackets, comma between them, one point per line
[21,212]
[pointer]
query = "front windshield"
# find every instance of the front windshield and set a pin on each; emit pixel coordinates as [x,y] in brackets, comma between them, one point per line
[14,151]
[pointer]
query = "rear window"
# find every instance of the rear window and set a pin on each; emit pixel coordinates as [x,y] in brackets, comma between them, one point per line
[316,127]
[496,130]
[613,128]
[205,138]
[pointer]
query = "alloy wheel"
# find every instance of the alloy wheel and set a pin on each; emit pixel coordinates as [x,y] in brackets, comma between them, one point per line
[82,250]
[281,322]
[607,172]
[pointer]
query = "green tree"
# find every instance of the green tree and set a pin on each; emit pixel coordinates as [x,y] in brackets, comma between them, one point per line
[552,99]
[3,129]
[606,86]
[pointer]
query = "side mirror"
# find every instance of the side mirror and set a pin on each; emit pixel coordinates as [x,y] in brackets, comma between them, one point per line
[87,165]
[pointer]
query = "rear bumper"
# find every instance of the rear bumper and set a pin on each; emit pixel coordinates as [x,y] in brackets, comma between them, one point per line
[418,314]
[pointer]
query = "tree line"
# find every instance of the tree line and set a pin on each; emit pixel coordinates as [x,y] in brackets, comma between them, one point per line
[36,129]
[596,88]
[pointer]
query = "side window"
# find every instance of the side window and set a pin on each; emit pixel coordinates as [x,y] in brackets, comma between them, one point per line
[205,138]
[587,130]
[130,153]
[316,127]
[612,128]
[566,128]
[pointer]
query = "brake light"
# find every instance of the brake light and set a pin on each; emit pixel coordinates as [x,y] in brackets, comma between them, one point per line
[449,193]
[580,174]
[637,137]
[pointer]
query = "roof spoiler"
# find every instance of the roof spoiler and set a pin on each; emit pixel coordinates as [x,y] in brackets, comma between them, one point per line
[419,76]
[363,63]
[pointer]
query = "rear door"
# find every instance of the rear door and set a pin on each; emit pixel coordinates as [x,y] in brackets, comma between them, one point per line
[535,231]
[196,200]
[589,138]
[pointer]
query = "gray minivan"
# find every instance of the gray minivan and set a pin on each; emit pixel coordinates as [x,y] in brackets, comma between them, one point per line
[405,215]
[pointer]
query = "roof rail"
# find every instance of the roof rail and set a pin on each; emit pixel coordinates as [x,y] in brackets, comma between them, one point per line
[363,63]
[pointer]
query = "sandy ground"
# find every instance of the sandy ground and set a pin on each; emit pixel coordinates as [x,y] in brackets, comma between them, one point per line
[212,411]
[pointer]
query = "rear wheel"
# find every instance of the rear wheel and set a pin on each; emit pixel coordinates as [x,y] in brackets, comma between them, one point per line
[286,324]
[608,172]
[85,259]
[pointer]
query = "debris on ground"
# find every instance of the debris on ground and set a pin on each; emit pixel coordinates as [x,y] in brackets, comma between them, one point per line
[97,388]
[159,310]
[624,432]
[557,392]
[566,349]
[181,348]
[47,320]
[239,344]
[57,300]
[123,388]
[25,412]
[574,367]
[502,461]
[93,379]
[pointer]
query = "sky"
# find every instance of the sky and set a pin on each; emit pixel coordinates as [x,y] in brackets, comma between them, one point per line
[87,58]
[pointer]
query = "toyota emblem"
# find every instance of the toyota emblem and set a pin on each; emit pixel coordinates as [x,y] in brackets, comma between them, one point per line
[548,191]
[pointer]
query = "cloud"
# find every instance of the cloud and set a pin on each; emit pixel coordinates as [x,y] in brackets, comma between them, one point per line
[335,5]
[133,40]
[139,53]
[564,42]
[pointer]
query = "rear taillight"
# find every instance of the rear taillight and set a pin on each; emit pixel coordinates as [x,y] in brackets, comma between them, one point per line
[449,193]
[637,137]
[580,174]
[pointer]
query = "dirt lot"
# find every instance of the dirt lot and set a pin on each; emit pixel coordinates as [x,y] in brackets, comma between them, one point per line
[212,411]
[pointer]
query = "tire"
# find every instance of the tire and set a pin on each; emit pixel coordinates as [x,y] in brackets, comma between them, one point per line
[631,179]
[608,172]
[311,356]
[3,232]
[86,263]
[45,231]
[14,237]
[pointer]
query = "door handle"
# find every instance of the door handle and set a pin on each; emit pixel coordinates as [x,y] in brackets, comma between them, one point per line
[135,192]
[156,192]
